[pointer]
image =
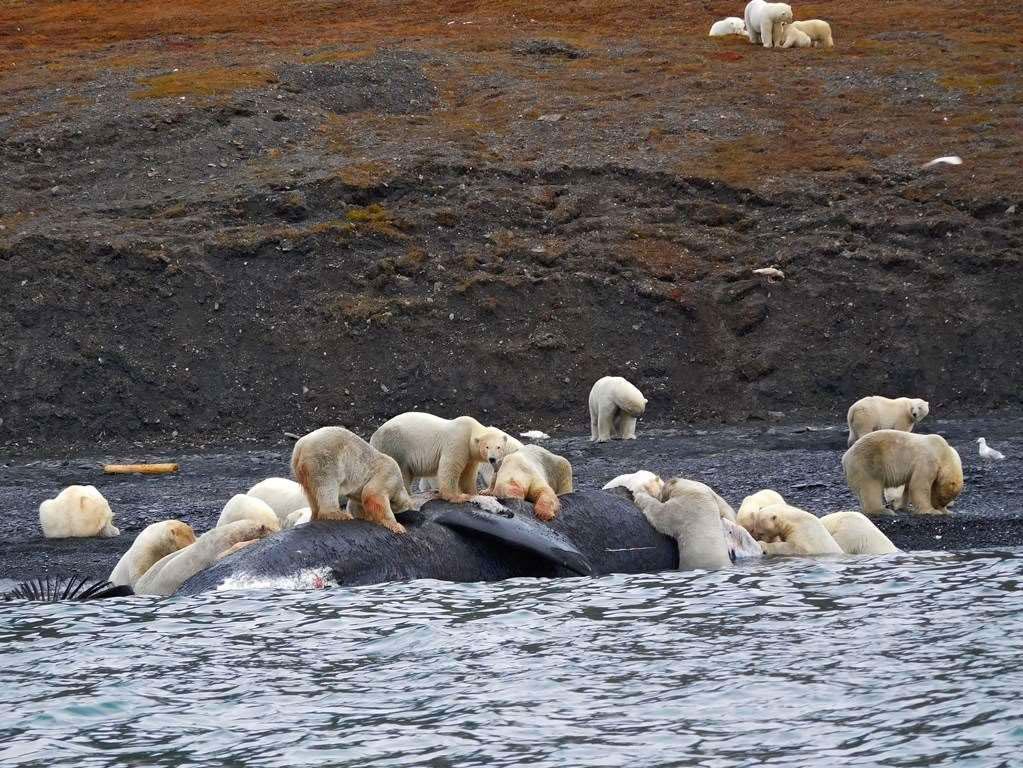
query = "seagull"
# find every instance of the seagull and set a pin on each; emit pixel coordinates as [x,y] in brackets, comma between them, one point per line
[535,434]
[947,160]
[771,273]
[987,453]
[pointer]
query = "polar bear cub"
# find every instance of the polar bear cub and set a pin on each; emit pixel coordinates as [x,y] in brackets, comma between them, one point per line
[928,466]
[856,535]
[615,404]
[792,37]
[732,25]
[817,30]
[869,414]
[451,450]
[244,507]
[283,496]
[691,517]
[332,462]
[785,530]
[764,20]
[77,511]
[154,543]
[535,474]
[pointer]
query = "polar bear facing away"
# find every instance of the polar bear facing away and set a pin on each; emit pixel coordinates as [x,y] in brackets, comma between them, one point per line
[856,535]
[785,530]
[283,496]
[869,414]
[928,466]
[244,507]
[764,20]
[732,25]
[77,511]
[331,462]
[679,487]
[691,517]
[451,450]
[537,475]
[615,404]
[154,543]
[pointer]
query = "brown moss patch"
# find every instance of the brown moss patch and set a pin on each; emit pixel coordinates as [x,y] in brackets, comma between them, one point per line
[204,82]
[970,83]
[366,174]
[374,218]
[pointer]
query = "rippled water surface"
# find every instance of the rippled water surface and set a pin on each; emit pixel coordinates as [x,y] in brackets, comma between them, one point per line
[905,660]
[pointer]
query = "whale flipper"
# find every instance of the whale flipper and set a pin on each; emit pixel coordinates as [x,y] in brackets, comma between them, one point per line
[55,589]
[518,531]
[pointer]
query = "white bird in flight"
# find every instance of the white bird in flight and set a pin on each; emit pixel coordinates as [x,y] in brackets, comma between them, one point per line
[987,452]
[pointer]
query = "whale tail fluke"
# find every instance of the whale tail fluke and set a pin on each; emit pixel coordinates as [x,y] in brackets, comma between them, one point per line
[54,589]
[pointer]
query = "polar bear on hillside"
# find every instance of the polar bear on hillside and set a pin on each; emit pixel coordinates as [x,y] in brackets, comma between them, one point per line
[817,30]
[537,475]
[615,404]
[869,414]
[154,543]
[451,450]
[244,507]
[732,25]
[929,467]
[856,535]
[283,495]
[785,530]
[331,462]
[77,511]
[764,20]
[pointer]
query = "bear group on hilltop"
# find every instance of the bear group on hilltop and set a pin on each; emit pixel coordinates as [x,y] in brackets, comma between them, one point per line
[773,26]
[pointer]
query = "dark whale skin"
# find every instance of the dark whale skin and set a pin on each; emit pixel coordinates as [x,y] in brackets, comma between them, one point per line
[607,529]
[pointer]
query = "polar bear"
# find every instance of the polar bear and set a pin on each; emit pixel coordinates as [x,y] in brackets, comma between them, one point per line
[331,462]
[691,517]
[782,529]
[244,507]
[298,517]
[869,414]
[77,511]
[642,480]
[154,543]
[283,496]
[929,467]
[679,486]
[817,30]
[731,25]
[171,571]
[792,37]
[484,475]
[615,404]
[753,502]
[534,474]
[451,450]
[856,535]
[764,20]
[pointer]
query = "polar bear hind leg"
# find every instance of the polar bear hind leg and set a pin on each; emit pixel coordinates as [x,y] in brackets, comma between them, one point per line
[323,498]
[605,421]
[918,489]
[751,31]
[871,496]
[766,31]
[376,508]
[628,426]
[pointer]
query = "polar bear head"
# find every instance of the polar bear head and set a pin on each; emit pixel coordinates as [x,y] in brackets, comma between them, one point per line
[490,445]
[948,482]
[918,409]
[176,535]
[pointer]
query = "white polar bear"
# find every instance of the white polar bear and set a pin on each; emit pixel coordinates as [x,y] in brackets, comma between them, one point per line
[764,20]
[793,37]
[785,530]
[754,502]
[484,475]
[680,487]
[244,507]
[451,450]
[298,517]
[732,25]
[536,475]
[77,511]
[283,496]
[817,30]
[615,404]
[869,414]
[856,535]
[154,543]
[642,480]
[691,518]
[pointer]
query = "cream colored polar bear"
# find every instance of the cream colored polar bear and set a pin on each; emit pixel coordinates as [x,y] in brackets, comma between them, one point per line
[298,517]
[165,576]
[869,414]
[817,30]
[244,507]
[753,502]
[484,474]
[791,37]
[856,535]
[537,475]
[77,511]
[283,496]
[764,20]
[615,404]
[642,480]
[928,466]
[785,530]
[680,487]
[451,450]
[154,543]
[331,462]
[692,518]
[731,25]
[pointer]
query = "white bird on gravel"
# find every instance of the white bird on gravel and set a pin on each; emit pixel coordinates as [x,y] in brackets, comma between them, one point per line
[535,434]
[987,452]
[946,160]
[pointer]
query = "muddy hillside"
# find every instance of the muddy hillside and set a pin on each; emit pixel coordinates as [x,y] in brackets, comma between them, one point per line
[230,219]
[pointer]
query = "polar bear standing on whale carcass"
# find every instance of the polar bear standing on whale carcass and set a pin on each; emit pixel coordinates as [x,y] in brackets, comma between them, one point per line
[764,20]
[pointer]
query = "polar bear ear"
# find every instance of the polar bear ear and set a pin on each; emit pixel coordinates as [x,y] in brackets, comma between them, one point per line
[504,440]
